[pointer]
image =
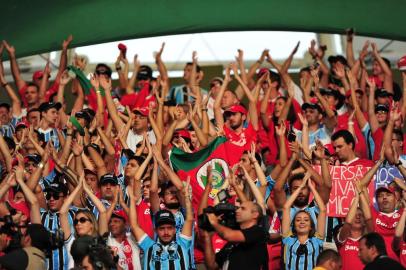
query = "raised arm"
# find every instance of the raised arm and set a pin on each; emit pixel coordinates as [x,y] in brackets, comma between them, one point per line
[63,212]
[321,218]
[286,222]
[187,229]
[388,80]
[259,197]
[173,177]
[400,230]
[135,227]
[103,227]
[16,102]
[366,179]
[345,230]
[106,84]
[14,65]
[218,114]
[279,191]
[373,120]
[35,216]
[349,47]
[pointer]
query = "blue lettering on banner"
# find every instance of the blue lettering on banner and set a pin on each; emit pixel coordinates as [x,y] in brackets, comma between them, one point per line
[386,175]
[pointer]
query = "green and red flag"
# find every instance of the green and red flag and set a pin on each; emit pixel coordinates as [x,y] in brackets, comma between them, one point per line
[194,165]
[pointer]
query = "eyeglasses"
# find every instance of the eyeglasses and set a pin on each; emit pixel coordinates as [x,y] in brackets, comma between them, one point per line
[101,72]
[53,195]
[81,220]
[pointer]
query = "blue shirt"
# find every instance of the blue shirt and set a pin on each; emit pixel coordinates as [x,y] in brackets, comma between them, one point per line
[305,260]
[172,256]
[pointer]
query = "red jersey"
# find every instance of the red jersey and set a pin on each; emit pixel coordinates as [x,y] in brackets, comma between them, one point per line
[348,251]
[274,250]
[52,90]
[385,225]
[377,136]
[217,242]
[238,143]
[359,162]
[144,218]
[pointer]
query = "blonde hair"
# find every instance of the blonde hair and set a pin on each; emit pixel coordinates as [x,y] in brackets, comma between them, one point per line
[93,220]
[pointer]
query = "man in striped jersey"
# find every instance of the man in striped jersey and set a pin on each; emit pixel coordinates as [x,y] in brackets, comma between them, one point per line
[49,117]
[55,194]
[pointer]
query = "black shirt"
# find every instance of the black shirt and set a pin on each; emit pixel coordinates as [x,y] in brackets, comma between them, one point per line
[251,254]
[383,262]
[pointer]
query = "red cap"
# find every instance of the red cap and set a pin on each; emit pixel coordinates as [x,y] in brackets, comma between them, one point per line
[38,75]
[122,47]
[261,72]
[236,109]
[21,206]
[183,133]
[389,188]
[143,111]
[402,63]
[120,214]
[23,123]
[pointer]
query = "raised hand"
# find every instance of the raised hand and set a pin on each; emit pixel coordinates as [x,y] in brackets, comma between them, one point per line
[105,83]
[371,84]
[137,63]
[66,42]
[264,55]
[240,56]
[280,129]
[10,49]
[65,78]
[158,55]
[302,119]
[295,48]
[95,81]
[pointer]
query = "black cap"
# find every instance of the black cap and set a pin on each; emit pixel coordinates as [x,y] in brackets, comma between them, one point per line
[83,115]
[381,107]
[164,217]
[382,93]
[312,106]
[337,58]
[49,105]
[56,187]
[80,247]
[33,157]
[330,92]
[144,73]
[108,178]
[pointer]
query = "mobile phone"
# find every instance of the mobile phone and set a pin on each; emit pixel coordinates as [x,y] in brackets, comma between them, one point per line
[291,136]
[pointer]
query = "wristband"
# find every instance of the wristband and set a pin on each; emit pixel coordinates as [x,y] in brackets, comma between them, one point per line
[398,164]
[40,165]
[4,84]
[118,68]
[204,110]
[68,134]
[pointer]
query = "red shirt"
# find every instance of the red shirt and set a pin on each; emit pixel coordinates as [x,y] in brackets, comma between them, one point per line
[377,136]
[144,218]
[385,225]
[349,254]
[274,250]
[359,162]
[238,143]
[52,90]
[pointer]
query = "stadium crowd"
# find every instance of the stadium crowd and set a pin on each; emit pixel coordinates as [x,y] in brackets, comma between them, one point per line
[141,174]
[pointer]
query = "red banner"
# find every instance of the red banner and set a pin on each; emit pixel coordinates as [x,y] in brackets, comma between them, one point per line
[343,189]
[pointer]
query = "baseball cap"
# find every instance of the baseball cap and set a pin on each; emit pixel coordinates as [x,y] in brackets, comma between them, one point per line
[261,72]
[381,107]
[182,133]
[216,79]
[387,188]
[83,115]
[22,124]
[382,93]
[144,73]
[120,214]
[312,105]
[108,178]
[20,206]
[143,111]
[38,75]
[33,157]
[49,105]
[330,92]
[402,63]
[164,217]
[56,187]
[237,109]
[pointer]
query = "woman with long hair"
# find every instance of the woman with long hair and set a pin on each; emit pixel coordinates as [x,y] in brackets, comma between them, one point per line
[302,240]
[84,223]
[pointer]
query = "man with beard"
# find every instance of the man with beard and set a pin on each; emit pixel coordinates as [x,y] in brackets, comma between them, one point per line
[169,251]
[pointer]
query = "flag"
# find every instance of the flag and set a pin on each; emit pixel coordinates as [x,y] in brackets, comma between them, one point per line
[194,165]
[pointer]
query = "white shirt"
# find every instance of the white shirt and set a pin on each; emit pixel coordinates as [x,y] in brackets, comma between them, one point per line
[119,248]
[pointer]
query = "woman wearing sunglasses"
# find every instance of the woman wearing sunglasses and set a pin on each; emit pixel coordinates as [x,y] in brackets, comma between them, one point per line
[303,241]
[84,222]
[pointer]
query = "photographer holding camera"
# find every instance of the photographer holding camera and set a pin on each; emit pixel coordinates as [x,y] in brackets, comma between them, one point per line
[246,247]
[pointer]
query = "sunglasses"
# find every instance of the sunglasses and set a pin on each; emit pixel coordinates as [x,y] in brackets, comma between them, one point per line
[102,72]
[52,195]
[81,220]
